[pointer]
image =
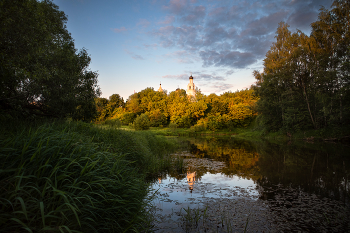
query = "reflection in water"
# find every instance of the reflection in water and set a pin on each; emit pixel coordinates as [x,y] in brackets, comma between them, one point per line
[305,186]
[321,168]
[191,178]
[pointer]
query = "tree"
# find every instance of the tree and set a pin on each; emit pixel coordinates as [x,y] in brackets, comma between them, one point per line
[305,83]
[41,71]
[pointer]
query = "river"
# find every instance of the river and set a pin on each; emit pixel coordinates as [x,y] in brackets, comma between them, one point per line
[235,185]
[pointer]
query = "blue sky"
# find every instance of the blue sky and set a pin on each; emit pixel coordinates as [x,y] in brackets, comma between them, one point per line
[135,44]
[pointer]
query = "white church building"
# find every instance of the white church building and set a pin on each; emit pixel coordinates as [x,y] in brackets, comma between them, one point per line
[191,89]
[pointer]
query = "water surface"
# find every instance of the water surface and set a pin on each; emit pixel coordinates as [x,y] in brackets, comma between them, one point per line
[234,185]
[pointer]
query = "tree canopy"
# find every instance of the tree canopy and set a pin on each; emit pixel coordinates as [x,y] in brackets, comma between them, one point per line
[231,109]
[41,71]
[305,83]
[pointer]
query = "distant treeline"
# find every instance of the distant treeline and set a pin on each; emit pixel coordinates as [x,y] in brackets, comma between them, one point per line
[176,109]
[305,82]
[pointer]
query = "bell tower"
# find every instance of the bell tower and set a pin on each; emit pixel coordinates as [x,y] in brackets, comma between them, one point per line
[191,91]
[160,88]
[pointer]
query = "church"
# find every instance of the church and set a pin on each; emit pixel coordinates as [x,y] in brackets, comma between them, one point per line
[191,89]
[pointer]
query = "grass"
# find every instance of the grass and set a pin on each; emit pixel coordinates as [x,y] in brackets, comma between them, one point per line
[192,217]
[251,132]
[75,177]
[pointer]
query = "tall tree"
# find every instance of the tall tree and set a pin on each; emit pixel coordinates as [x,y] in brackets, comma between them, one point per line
[41,71]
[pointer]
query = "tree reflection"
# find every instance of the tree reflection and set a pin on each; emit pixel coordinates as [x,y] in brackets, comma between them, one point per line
[318,168]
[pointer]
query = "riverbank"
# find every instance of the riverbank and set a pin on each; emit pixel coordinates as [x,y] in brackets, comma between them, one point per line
[61,176]
[331,134]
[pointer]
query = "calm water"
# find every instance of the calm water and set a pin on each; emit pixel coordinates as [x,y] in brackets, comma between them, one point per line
[234,185]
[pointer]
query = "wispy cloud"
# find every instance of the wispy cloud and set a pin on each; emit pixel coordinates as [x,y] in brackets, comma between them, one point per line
[134,56]
[220,87]
[179,76]
[198,76]
[143,23]
[169,19]
[118,30]
[147,46]
[183,56]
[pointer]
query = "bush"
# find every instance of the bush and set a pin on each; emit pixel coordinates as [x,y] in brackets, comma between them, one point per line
[157,118]
[215,122]
[141,122]
[127,118]
[198,128]
[115,123]
[182,121]
[172,125]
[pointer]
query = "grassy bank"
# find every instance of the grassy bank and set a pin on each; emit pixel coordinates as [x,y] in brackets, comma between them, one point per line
[76,177]
[337,134]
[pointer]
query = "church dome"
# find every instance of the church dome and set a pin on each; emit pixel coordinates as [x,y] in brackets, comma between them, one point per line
[191,77]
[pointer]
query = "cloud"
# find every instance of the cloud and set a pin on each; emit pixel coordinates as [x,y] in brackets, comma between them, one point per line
[197,76]
[227,58]
[177,6]
[169,19]
[150,46]
[179,76]
[118,30]
[143,23]
[195,15]
[231,34]
[229,72]
[220,87]
[182,56]
[133,55]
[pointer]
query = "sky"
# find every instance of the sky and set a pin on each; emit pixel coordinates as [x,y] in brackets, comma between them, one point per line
[135,44]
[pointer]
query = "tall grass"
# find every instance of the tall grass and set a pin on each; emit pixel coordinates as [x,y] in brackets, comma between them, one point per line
[74,177]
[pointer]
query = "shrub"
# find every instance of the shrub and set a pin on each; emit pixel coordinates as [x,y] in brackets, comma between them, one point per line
[127,118]
[115,123]
[182,121]
[141,122]
[156,118]
[198,128]
[172,125]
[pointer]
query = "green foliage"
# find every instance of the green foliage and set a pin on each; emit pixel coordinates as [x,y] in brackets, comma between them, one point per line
[141,122]
[198,128]
[305,83]
[239,107]
[115,123]
[157,118]
[42,73]
[182,121]
[127,118]
[215,122]
[75,177]
[172,125]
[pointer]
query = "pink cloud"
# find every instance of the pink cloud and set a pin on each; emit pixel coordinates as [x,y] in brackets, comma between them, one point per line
[180,76]
[144,23]
[168,20]
[177,6]
[118,30]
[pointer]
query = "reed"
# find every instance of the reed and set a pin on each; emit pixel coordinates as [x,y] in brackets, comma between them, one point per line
[75,177]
